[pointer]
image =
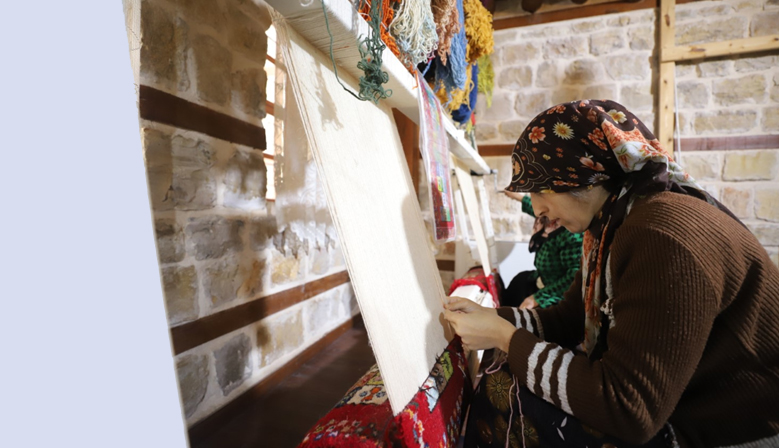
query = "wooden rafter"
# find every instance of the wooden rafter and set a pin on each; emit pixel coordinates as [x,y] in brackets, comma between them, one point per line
[666,98]
[590,9]
[713,49]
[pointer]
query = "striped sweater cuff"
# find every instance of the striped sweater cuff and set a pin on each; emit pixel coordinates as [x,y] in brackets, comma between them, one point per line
[543,366]
[527,319]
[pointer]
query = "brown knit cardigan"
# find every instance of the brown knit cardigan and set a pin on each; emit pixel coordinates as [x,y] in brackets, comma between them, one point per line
[693,339]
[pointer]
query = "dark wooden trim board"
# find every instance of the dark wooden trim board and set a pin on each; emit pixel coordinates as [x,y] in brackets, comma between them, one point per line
[218,419]
[192,334]
[496,150]
[162,107]
[445,265]
[722,143]
[577,12]
[729,143]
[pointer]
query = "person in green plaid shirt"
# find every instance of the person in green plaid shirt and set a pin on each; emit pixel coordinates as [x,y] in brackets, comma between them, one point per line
[558,257]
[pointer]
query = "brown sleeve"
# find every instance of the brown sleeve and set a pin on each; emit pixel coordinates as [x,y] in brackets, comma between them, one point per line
[562,323]
[664,306]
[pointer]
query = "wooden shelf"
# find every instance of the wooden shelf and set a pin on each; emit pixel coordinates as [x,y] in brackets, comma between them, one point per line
[308,21]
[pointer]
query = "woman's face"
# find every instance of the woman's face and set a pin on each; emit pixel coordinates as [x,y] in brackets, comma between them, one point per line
[572,212]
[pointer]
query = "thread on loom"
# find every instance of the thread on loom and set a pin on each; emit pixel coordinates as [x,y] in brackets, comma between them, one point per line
[415,31]
[478,29]
[370,48]
[500,358]
[486,77]
[447,23]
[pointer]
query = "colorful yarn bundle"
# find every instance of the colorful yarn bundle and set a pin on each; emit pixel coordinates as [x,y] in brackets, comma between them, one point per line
[453,73]
[455,98]
[486,77]
[463,113]
[414,30]
[447,21]
[387,15]
[370,49]
[478,29]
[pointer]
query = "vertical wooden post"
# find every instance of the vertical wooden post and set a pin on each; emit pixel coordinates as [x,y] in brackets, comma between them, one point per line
[665,106]
[409,138]
[468,190]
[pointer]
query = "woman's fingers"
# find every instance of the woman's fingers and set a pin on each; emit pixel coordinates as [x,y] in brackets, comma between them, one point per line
[461,304]
[451,317]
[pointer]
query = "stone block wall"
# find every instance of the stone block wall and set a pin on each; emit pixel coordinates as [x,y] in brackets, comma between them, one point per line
[539,66]
[735,95]
[614,57]
[220,242]
[747,182]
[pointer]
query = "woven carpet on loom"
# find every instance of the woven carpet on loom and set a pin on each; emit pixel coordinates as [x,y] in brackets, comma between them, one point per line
[433,418]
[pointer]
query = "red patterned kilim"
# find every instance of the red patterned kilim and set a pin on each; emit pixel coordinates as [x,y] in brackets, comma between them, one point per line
[433,418]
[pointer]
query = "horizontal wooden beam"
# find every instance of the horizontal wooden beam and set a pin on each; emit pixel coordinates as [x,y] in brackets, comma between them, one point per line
[718,143]
[729,143]
[496,150]
[577,12]
[211,424]
[162,107]
[191,334]
[725,48]
[572,13]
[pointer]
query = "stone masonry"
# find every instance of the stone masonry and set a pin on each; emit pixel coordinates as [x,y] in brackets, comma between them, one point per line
[220,242]
[614,57]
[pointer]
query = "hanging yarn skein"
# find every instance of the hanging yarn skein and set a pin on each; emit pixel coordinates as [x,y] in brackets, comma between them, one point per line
[462,114]
[415,31]
[371,48]
[387,15]
[457,98]
[453,74]
[447,22]
[478,29]
[486,78]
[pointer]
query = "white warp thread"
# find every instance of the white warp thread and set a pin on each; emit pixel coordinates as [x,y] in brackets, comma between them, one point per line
[375,211]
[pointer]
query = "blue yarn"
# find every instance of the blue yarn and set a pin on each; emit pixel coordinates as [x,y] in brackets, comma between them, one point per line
[453,74]
[463,114]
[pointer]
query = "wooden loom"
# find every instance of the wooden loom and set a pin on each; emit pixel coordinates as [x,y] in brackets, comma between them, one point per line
[373,204]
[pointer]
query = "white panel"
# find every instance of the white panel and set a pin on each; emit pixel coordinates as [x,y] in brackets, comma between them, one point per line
[376,213]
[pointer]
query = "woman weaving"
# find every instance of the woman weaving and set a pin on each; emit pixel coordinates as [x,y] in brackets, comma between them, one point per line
[676,304]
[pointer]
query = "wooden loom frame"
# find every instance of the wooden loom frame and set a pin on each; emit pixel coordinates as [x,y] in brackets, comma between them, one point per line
[670,54]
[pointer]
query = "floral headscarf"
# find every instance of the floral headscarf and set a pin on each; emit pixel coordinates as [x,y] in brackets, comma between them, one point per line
[585,143]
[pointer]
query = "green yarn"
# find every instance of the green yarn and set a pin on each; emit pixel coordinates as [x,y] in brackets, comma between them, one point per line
[371,48]
[486,77]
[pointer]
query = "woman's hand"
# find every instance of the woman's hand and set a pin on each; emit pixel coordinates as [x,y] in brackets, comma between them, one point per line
[529,303]
[479,327]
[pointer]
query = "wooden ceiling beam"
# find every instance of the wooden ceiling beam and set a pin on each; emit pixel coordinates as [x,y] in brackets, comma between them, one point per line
[576,12]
